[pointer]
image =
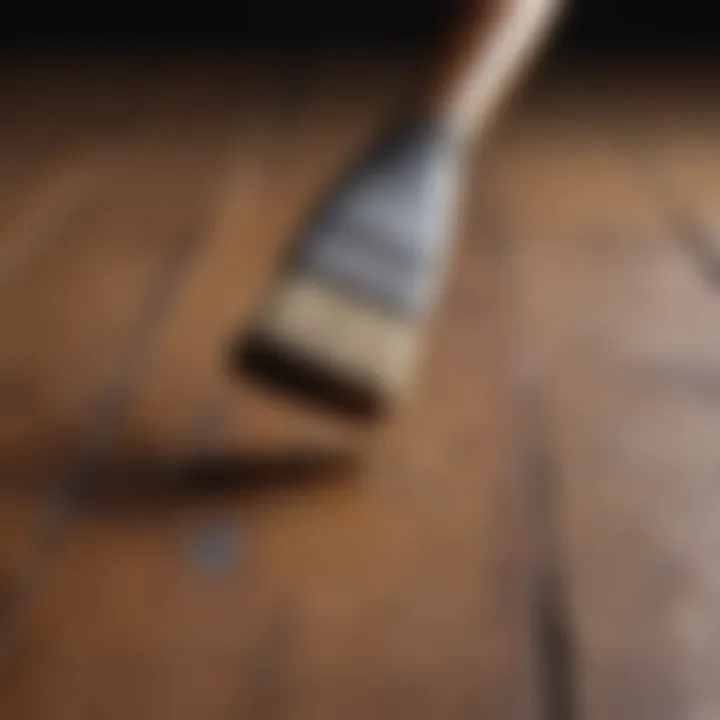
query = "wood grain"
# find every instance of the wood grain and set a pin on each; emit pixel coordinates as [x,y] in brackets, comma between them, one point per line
[619,332]
[391,585]
[236,556]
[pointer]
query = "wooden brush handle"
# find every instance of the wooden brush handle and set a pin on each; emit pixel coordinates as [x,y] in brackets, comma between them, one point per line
[490,44]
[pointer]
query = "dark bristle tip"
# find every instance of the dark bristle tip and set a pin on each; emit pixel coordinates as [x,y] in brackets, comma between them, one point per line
[286,370]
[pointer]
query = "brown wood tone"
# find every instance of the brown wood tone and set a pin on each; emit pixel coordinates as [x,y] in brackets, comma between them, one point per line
[224,557]
[174,543]
[620,350]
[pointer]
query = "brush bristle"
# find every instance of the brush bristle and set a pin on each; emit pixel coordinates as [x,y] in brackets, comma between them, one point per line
[330,347]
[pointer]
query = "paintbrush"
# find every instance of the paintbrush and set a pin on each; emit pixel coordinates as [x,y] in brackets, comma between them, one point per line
[343,321]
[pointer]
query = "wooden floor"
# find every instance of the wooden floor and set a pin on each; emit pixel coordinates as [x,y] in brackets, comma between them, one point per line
[535,537]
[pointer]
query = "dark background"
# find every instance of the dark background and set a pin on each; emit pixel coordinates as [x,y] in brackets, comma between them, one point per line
[591,25]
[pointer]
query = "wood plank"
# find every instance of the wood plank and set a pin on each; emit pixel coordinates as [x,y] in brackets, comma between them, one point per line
[620,342]
[100,239]
[394,588]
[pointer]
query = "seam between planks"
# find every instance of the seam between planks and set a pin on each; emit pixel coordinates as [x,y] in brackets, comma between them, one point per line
[112,403]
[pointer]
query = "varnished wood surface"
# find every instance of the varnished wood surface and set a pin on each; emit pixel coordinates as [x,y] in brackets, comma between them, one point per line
[175,544]
[352,592]
[618,339]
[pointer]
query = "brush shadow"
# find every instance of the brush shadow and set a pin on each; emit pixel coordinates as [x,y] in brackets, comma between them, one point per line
[144,483]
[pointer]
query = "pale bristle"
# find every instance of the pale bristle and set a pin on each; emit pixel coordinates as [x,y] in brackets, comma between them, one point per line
[331,346]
